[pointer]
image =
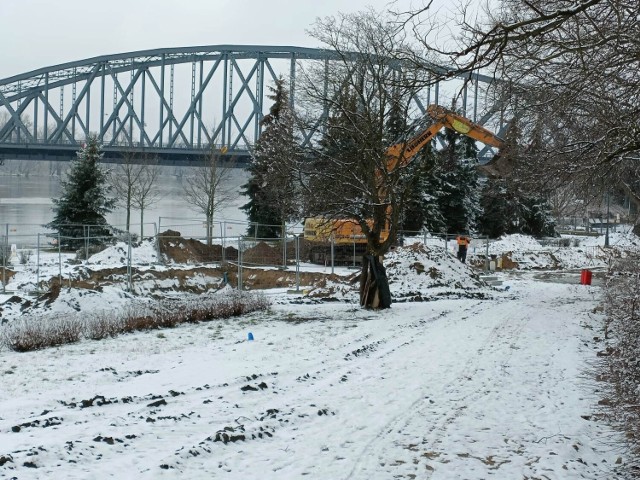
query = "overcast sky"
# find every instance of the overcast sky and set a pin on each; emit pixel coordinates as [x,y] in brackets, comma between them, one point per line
[39,33]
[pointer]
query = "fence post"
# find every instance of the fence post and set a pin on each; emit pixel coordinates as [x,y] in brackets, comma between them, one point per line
[38,265]
[333,243]
[297,240]
[223,240]
[240,263]
[354,252]
[59,261]
[129,263]
[486,261]
[5,249]
[284,246]
[86,243]
[158,239]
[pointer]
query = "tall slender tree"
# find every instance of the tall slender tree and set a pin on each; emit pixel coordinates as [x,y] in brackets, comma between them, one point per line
[272,187]
[457,180]
[146,192]
[80,211]
[207,189]
[264,219]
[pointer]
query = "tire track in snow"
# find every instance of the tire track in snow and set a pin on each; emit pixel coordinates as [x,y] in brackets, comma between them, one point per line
[488,365]
[376,451]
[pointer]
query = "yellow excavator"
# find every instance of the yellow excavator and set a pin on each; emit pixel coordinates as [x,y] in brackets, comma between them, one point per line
[347,234]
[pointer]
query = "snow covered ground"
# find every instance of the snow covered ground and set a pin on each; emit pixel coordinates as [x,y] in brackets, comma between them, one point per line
[475,382]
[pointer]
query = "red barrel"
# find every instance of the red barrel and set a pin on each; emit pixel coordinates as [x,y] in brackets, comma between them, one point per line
[585,277]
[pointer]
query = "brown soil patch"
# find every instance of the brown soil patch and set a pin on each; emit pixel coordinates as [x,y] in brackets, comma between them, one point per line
[182,250]
[208,278]
[202,278]
[263,279]
[8,274]
[507,263]
[262,254]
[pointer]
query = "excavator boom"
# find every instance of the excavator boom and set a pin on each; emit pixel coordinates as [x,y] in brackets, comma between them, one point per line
[400,154]
[464,126]
[348,231]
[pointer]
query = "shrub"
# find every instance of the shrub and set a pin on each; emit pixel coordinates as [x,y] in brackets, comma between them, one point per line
[101,325]
[24,256]
[620,366]
[38,333]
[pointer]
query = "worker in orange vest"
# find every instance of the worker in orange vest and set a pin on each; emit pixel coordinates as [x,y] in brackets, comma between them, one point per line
[463,242]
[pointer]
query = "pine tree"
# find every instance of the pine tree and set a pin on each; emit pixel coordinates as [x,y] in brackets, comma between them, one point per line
[265,221]
[272,188]
[508,210]
[421,208]
[500,206]
[459,198]
[339,156]
[537,217]
[80,211]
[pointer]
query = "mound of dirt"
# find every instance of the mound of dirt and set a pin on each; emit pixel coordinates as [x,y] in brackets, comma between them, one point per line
[181,250]
[419,273]
[262,254]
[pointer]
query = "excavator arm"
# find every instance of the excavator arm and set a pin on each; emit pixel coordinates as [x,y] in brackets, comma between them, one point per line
[464,126]
[400,154]
[348,231]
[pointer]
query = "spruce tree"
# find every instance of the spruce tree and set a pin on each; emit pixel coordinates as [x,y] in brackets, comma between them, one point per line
[80,211]
[459,190]
[500,206]
[272,187]
[509,210]
[421,210]
[537,217]
[265,221]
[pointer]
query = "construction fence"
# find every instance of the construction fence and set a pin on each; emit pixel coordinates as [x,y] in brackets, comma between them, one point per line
[192,242]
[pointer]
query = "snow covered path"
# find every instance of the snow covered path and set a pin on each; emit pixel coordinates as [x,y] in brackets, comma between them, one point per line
[453,389]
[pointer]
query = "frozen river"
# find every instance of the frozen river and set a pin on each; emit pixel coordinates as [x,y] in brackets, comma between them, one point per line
[28,187]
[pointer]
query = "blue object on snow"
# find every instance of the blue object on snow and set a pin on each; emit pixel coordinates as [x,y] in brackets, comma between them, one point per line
[250,337]
[506,289]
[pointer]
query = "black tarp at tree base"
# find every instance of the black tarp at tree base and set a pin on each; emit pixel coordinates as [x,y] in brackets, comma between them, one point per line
[374,286]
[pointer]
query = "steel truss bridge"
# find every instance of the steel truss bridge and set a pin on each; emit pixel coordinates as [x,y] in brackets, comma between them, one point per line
[172,103]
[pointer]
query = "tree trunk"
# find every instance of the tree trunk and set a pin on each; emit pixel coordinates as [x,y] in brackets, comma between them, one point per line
[128,208]
[141,223]
[209,231]
[128,216]
[374,286]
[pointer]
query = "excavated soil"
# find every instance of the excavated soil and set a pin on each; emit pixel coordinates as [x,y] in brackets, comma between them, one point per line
[182,250]
[197,279]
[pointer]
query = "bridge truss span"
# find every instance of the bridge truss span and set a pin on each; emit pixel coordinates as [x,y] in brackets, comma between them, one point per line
[172,102]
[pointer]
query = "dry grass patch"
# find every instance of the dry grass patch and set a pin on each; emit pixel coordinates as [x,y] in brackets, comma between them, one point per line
[36,333]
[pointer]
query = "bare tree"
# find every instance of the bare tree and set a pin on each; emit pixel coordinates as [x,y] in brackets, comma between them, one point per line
[569,70]
[207,189]
[146,191]
[123,180]
[351,176]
